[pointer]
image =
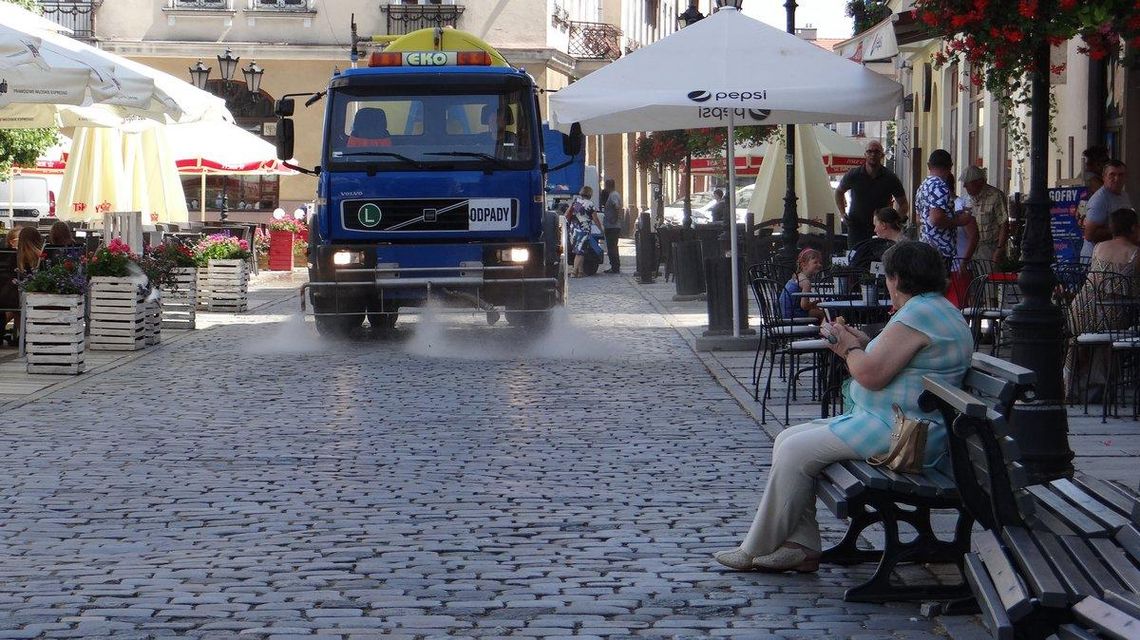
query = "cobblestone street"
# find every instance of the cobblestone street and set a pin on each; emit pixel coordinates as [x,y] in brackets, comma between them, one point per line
[251,480]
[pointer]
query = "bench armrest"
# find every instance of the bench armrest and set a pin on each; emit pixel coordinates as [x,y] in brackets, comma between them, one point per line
[1003,369]
[955,398]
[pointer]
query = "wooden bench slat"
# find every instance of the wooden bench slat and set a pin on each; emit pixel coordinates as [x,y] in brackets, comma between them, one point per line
[1069,514]
[1075,582]
[1107,620]
[1014,596]
[993,610]
[1094,568]
[1119,562]
[1003,369]
[1035,568]
[956,398]
[980,383]
[834,499]
[1129,539]
[1127,602]
[838,475]
[1090,503]
[1073,632]
[944,482]
[1117,496]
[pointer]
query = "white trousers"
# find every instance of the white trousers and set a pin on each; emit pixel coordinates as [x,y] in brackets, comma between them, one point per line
[787,508]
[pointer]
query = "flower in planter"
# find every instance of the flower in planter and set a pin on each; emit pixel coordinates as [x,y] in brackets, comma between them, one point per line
[64,277]
[220,246]
[159,262]
[292,226]
[114,260]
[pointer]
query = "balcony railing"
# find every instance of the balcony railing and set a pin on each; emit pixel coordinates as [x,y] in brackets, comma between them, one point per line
[594,41]
[77,15]
[406,18]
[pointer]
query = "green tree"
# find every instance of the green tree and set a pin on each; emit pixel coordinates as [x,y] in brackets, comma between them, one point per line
[23,146]
[867,13]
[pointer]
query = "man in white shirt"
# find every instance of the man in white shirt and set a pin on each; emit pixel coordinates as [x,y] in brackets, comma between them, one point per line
[1107,199]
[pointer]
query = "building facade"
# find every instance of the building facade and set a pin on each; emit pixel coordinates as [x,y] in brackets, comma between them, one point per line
[301,43]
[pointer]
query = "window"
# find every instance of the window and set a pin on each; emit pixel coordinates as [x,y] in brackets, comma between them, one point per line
[282,5]
[201,4]
[858,129]
[242,193]
[400,130]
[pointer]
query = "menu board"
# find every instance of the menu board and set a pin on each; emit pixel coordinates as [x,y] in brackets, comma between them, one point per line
[1066,219]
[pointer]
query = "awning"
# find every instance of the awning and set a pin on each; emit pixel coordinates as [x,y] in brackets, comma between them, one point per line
[876,43]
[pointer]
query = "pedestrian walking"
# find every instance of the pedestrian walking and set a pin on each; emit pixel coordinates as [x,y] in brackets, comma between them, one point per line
[872,187]
[611,219]
[934,206]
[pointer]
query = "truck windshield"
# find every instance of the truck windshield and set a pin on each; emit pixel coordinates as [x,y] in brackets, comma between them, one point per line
[397,129]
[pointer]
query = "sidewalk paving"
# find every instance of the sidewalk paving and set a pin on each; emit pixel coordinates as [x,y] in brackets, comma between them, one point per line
[18,387]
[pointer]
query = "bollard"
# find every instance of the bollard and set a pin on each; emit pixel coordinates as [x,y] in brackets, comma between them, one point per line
[718,279]
[689,275]
[646,248]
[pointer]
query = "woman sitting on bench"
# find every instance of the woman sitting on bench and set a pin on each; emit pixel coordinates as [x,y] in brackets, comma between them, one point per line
[926,336]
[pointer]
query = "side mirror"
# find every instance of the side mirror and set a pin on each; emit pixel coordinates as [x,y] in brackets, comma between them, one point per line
[284,108]
[284,138]
[572,142]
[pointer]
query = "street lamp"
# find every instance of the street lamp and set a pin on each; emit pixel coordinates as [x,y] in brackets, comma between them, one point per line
[227,64]
[790,232]
[253,75]
[199,74]
[691,16]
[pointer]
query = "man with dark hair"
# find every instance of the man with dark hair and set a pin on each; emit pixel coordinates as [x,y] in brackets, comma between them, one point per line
[611,219]
[719,209]
[1107,199]
[934,205]
[872,187]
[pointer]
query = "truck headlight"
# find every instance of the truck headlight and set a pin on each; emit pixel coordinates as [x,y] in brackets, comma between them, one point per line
[514,254]
[345,258]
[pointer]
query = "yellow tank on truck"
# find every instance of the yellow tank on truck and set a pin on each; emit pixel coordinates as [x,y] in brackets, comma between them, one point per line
[444,39]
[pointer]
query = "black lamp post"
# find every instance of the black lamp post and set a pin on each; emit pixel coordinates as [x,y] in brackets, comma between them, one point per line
[227,65]
[1040,427]
[690,16]
[790,233]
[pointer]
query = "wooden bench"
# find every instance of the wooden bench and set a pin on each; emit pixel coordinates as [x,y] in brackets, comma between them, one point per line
[869,495]
[1056,557]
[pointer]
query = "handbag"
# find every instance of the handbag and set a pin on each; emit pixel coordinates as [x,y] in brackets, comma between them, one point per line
[908,445]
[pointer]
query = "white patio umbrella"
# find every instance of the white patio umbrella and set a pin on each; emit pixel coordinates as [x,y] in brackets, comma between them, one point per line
[154,185]
[727,69]
[813,187]
[220,148]
[42,67]
[17,16]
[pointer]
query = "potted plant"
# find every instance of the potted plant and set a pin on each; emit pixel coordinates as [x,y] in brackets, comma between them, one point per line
[226,280]
[283,235]
[53,318]
[177,276]
[869,287]
[118,298]
[261,247]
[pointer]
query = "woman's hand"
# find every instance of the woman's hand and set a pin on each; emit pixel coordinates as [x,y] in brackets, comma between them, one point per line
[863,338]
[844,338]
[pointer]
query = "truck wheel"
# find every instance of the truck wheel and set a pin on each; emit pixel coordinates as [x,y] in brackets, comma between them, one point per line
[382,317]
[337,326]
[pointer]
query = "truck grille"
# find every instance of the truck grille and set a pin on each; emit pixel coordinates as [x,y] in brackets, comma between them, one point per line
[430,214]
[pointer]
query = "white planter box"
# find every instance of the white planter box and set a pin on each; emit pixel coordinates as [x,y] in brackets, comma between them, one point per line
[153,312]
[118,314]
[179,300]
[228,283]
[53,333]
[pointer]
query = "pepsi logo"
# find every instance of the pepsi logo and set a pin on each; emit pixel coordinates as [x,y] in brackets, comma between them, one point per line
[759,114]
[699,96]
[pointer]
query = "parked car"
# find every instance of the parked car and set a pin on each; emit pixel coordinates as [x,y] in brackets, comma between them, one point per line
[28,197]
[700,204]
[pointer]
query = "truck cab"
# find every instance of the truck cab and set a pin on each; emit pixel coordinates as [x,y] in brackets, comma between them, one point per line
[431,184]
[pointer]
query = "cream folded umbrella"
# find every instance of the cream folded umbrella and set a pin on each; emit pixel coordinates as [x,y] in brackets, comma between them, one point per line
[94,182]
[813,186]
[155,187]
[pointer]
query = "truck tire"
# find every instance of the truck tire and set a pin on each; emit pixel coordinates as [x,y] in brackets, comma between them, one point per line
[337,326]
[384,317]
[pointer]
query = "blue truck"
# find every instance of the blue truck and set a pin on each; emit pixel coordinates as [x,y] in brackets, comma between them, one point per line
[431,184]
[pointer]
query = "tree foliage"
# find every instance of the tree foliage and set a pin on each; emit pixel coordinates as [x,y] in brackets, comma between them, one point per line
[23,146]
[867,13]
